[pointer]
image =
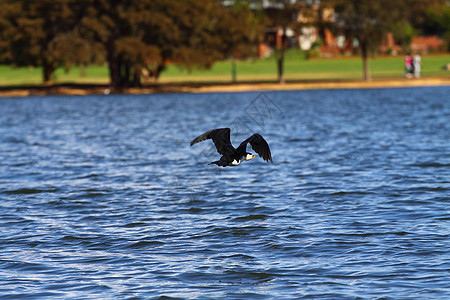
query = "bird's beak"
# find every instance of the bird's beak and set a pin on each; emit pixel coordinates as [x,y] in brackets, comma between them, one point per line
[253,156]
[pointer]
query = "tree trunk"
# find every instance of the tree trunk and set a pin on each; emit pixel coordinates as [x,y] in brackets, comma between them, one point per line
[233,71]
[280,58]
[365,57]
[47,71]
[280,63]
[113,65]
[114,73]
[157,71]
[126,75]
[136,78]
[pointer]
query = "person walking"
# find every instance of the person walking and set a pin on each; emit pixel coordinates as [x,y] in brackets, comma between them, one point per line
[408,66]
[417,62]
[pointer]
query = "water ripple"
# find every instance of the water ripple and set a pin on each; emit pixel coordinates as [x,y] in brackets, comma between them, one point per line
[102,198]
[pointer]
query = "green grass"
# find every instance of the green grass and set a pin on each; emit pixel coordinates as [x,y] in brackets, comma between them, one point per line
[297,68]
[10,76]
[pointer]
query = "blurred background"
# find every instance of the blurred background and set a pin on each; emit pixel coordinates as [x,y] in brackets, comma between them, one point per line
[139,42]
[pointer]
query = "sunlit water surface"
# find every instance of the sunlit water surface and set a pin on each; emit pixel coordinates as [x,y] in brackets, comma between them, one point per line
[102,197]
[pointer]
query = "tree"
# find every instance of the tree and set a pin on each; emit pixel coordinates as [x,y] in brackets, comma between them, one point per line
[132,36]
[283,15]
[437,22]
[9,13]
[239,38]
[403,33]
[419,11]
[368,21]
[142,35]
[197,33]
[186,34]
[117,29]
[41,33]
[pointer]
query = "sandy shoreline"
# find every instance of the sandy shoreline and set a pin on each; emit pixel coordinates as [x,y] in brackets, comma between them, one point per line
[207,88]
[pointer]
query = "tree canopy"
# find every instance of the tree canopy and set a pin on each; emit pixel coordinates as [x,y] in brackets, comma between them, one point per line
[368,21]
[41,33]
[133,37]
[138,38]
[283,15]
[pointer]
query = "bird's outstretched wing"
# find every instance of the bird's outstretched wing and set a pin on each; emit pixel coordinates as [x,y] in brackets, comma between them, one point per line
[258,144]
[221,139]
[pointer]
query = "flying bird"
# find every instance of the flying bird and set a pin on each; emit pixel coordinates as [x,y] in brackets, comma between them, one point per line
[230,155]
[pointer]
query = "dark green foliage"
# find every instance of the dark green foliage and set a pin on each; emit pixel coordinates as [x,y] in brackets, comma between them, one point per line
[420,13]
[41,33]
[438,23]
[283,14]
[133,37]
[118,28]
[368,21]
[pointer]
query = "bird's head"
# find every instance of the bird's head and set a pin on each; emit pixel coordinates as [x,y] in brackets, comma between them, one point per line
[249,156]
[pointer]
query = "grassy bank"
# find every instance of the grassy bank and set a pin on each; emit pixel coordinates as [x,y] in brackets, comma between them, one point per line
[33,76]
[297,68]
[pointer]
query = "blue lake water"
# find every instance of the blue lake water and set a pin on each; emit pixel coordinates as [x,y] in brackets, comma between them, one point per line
[101,197]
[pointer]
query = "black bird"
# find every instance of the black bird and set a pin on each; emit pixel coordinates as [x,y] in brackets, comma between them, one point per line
[232,156]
